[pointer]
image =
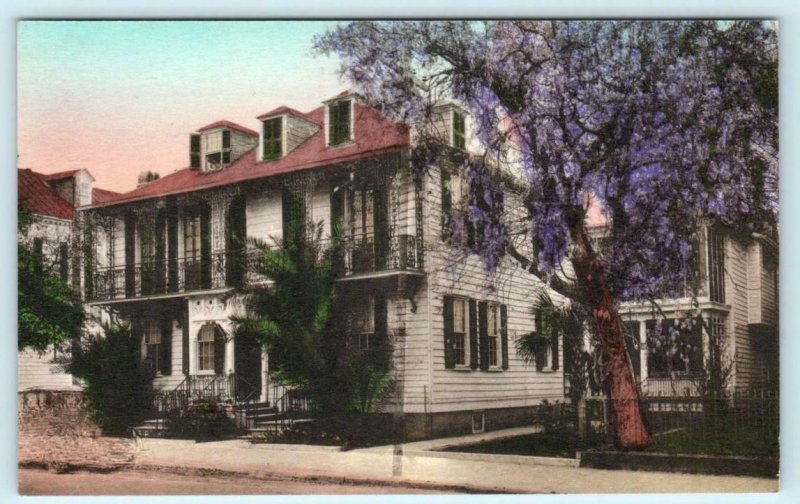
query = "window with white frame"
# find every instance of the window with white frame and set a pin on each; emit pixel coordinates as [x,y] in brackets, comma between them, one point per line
[205,348]
[493,333]
[218,149]
[364,324]
[152,344]
[460,332]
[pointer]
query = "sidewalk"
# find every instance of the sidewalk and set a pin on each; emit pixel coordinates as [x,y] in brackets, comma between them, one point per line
[415,464]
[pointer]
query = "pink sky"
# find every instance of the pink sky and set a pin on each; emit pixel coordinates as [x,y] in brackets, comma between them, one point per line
[119,98]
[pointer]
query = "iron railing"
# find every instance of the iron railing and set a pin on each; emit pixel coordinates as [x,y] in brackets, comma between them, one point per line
[359,254]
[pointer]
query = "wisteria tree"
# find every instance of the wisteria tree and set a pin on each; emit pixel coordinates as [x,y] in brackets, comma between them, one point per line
[666,124]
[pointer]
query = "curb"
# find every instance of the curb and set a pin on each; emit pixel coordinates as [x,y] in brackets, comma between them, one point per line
[323,478]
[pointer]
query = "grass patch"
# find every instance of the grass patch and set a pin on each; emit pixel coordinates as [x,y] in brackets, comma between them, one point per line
[557,444]
[753,443]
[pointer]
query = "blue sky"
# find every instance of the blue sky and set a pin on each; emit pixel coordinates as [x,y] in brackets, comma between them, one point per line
[120,97]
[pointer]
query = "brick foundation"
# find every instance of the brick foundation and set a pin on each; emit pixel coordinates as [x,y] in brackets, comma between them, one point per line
[55,431]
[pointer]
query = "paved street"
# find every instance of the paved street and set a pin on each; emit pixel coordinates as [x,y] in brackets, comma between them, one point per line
[40,482]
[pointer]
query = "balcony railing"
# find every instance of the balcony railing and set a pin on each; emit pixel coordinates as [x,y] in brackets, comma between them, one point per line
[360,254]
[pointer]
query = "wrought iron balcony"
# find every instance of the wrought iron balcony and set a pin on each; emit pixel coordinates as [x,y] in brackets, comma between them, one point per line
[360,255]
[167,276]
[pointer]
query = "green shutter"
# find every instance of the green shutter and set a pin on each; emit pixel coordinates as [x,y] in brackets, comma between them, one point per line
[447,205]
[483,328]
[458,131]
[205,245]
[219,350]
[165,363]
[473,334]
[504,335]
[449,339]
[194,151]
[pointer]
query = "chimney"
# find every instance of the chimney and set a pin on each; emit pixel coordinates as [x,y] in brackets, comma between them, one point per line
[147,177]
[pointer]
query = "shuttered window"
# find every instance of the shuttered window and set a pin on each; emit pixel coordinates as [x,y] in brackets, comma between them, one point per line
[459,141]
[476,334]
[273,139]
[339,122]
[63,262]
[194,151]
[716,266]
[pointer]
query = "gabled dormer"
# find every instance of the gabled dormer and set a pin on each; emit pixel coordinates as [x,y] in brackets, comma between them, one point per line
[283,130]
[219,144]
[339,120]
[447,123]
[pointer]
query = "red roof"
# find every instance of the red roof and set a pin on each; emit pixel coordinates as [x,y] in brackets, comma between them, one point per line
[58,176]
[373,135]
[103,195]
[37,197]
[230,125]
[283,110]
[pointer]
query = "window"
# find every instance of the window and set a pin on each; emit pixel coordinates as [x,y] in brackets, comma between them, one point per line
[455,196]
[364,324]
[492,333]
[459,141]
[194,151]
[152,344]
[460,331]
[273,139]
[339,122]
[191,236]
[546,341]
[674,346]
[63,262]
[205,348]
[716,266]
[218,149]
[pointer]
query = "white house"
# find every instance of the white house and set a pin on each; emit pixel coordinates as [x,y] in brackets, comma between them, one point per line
[168,255]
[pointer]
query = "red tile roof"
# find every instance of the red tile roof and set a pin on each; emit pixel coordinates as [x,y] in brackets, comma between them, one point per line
[283,110]
[103,195]
[37,197]
[373,135]
[230,125]
[63,174]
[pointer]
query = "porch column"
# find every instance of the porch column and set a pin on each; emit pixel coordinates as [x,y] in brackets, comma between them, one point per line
[264,376]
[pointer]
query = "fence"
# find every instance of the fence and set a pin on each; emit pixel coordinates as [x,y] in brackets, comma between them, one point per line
[742,425]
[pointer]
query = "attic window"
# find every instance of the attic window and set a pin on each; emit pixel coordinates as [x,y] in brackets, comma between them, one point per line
[339,122]
[458,131]
[273,139]
[194,151]
[218,149]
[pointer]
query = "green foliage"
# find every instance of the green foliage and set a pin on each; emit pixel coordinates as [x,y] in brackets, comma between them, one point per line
[201,420]
[118,387]
[302,321]
[46,312]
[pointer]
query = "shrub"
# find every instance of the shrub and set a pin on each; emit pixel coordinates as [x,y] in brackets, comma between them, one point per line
[118,386]
[202,420]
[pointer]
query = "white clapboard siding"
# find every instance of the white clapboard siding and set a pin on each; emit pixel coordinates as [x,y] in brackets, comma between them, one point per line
[427,385]
[35,371]
[263,213]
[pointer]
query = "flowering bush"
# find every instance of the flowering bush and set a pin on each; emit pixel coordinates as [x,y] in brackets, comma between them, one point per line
[202,420]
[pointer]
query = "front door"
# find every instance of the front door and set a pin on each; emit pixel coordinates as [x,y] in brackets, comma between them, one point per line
[247,357]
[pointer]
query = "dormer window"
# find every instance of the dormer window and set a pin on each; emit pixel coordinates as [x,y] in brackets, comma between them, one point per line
[194,151]
[218,149]
[459,141]
[273,139]
[339,117]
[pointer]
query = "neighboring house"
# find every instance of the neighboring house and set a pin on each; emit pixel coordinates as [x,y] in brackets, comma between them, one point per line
[50,200]
[738,301]
[168,255]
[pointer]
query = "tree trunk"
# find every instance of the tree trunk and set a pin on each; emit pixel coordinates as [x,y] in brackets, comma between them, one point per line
[629,432]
